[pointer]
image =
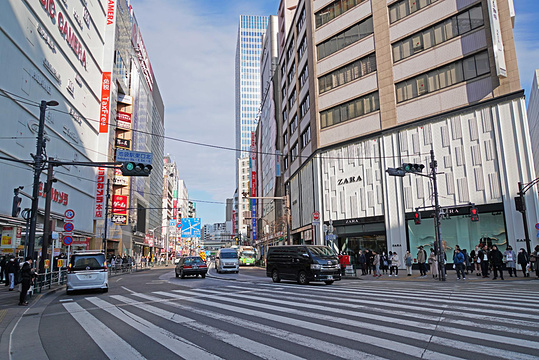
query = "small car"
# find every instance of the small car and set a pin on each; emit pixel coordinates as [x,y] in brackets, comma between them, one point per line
[191,265]
[87,270]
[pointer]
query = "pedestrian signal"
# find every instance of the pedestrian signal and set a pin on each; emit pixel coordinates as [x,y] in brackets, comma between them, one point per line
[474,214]
[417,218]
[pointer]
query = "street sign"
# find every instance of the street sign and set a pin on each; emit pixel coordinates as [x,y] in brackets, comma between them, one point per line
[69,214]
[316,218]
[172,223]
[190,227]
[134,156]
[537,226]
[67,240]
[68,227]
[179,225]
[331,237]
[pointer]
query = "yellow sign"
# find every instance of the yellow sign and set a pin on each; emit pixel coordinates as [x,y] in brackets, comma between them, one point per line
[60,263]
[202,255]
[47,263]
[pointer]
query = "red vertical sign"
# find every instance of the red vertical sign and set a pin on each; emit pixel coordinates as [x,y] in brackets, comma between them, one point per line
[105,104]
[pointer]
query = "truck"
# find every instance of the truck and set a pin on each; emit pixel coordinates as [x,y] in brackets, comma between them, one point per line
[247,255]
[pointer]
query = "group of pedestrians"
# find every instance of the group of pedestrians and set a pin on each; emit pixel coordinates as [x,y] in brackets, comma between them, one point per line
[378,264]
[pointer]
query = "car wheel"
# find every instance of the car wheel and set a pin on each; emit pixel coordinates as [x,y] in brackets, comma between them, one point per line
[177,275]
[182,275]
[275,276]
[302,278]
[203,276]
[329,282]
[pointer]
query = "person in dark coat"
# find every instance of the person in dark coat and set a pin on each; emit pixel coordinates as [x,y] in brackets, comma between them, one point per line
[483,258]
[496,260]
[3,263]
[523,259]
[12,268]
[27,275]
[362,261]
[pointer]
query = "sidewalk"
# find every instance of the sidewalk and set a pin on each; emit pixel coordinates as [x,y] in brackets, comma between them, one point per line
[451,276]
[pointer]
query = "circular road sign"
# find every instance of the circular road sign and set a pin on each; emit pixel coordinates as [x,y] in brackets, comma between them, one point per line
[179,225]
[69,214]
[316,216]
[68,227]
[537,226]
[67,240]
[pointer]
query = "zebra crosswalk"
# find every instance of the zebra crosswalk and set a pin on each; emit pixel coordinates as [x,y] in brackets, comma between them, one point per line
[287,321]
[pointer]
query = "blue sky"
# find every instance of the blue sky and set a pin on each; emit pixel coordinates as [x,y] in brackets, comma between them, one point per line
[192,45]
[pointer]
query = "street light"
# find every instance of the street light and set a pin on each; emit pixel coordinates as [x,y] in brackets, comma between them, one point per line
[38,161]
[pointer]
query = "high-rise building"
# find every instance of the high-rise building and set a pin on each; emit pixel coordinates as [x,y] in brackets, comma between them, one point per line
[368,85]
[533,118]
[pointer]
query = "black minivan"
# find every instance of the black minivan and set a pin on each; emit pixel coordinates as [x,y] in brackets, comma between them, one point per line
[303,263]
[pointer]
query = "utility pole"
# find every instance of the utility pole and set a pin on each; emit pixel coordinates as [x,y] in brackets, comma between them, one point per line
[47,222]
[440,250]
[106,217]
[38,160]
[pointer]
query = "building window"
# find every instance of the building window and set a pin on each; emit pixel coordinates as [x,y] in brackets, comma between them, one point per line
[345,38]
[301,20]
[403,8]
[302,47]
[350,110]
[333,10]
[451,74]
[292,99]
[291,74]
[290,51]
[285,114]
[347,73]
[446,30]
[294,152]
[293,124]
[303,76]
[283,92]
[283,70]
[285,138]
[285,162]
[304,107]
[306,137]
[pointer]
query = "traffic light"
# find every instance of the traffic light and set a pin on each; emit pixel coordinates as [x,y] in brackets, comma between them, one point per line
[417,218]
[413,168]
[474,214]
[16,209]
[396,172]
[133,169]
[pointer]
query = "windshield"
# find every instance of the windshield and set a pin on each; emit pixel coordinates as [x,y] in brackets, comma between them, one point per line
[248,254]
[195,260]
[88,262]
[229,255]
[321,251]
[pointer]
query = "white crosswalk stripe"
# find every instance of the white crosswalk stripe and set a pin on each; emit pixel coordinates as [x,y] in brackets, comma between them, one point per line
[363,321]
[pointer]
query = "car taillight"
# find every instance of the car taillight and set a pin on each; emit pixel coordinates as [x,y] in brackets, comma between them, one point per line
[187,266]
[203,265]
[105,265]
[69,268]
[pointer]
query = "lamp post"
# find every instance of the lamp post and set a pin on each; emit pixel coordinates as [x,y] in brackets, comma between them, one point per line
[38,163]
[153,235]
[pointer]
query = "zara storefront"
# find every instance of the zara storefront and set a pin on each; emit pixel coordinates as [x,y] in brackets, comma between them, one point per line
[482,152]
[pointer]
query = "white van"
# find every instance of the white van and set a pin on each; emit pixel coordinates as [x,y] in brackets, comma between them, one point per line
[226,260]
[87,270]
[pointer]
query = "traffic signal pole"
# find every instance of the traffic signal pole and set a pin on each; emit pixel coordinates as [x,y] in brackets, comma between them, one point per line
[47,222]
[439,248]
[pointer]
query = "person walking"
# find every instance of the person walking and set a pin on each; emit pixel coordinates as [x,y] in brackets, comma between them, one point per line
[433,263]
[421,260]
[11,271]
[484,257]
[362,262]
[3,263]
[534,260]
[27,275]
[496,260]
[523,259]
[376,263]
[395,263]
[384,263]
[510,261]
[459,261]
[408,263]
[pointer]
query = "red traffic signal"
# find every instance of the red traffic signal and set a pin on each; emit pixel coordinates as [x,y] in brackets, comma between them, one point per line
[474,214]
[417,218]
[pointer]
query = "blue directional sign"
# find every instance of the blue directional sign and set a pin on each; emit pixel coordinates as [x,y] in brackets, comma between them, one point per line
[172,223]
[190,227]
[134,156]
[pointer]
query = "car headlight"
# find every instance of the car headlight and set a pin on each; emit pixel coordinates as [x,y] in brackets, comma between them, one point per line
[316,266]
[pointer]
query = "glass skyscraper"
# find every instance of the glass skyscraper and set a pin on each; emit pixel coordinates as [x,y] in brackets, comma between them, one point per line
[248,50]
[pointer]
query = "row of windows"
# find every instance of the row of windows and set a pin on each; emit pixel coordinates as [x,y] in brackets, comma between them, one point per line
[347,73]
[350,110]
[439,33]
[290,51]
[302,47]
[294,150]
[301,20]
[293,124]
[345,38]
[292,99]
[454,73]
[333,10]
[303,76]
[291,74]
[403,8]
[306,137]
[304,107]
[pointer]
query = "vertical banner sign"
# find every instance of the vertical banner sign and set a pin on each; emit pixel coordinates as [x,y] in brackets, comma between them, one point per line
[119,204]
[234,222]
[105,104]
[497,41]
[253,182]
[100,194]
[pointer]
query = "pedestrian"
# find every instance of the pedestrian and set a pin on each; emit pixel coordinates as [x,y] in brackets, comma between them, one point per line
[11,271]
[421,260]
[408,262]
[510,261]
[376,263]
[533,259]
[459,261]
[3,263]
[523,260]
[368,260]
[466,261]
[384,262]
[362,263]
[433,263]
[483,258]
[27,275]
[476,265]
[395,263]
[496,260]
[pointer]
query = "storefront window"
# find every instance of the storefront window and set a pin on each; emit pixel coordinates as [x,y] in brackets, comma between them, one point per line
[459,230]
[352,245]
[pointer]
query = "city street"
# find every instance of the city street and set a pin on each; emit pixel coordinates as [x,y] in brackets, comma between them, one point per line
[154,315]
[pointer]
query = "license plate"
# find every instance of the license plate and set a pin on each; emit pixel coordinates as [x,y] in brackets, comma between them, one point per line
[195,267]
[87,277]
[330,277]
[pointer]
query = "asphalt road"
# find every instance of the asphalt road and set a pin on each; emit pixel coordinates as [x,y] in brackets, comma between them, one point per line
[154,315]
